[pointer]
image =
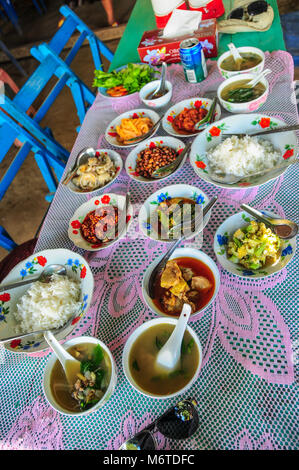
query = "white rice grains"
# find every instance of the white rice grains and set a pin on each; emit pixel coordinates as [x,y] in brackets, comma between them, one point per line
[48,305]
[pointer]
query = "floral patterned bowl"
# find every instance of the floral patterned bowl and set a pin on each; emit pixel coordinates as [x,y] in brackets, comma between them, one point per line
[77,268]
[160,141]
[226,230]
[249,106]
[246,49]
[167,193]
[111,134]
[74,231]
[285,142]
[172,112]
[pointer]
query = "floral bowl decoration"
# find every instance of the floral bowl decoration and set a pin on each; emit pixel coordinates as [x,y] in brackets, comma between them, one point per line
[76,267]
[111,134]
[249,106]
[166,194]
[116,159]
[285,142]
[159,141]
[225,232]
[195,103]
[245,50]
[157,102]
[109,199]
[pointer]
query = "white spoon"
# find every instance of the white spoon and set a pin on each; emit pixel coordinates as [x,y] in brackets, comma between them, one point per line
[70,365]
[236,55]
[169,355]
[256,79]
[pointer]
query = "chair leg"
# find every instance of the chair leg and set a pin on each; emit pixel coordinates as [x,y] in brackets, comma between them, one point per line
[14,168]
[6,241]
[46,171]
[78,96]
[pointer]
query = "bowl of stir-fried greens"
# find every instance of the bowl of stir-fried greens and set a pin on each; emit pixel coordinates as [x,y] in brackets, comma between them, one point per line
[94,384]
[247,248]
[123,81]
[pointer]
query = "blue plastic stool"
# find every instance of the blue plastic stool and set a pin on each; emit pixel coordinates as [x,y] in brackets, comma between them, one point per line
[290,25]
[5,240]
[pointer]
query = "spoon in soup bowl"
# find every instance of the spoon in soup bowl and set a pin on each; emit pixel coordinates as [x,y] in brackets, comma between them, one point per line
[169,355]
[236,55]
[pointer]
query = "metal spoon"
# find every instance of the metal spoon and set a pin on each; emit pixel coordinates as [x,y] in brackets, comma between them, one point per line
[208,118]
[295,127]
[146,135]
[45,276]
[82,158]
[168,169]
[228,178]
[158,268]
[283,228]
[169,355]
[161,87]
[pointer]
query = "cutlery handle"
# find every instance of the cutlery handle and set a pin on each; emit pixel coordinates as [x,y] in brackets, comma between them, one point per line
[5,287]
[295,127]
[255,213]
[25,335]
[70,176]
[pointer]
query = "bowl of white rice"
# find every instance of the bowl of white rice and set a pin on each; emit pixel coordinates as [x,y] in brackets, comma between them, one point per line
[214,153]
[59,304]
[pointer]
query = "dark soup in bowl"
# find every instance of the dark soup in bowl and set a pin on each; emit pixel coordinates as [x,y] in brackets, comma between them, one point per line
[142,361]
[184,280]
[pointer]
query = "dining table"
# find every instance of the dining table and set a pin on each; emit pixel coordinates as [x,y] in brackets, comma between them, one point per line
[247,389]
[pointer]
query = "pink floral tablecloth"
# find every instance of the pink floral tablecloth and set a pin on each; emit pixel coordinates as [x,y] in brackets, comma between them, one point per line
[247,391]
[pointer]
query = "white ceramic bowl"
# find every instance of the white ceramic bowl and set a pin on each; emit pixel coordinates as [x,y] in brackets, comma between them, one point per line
[77,268]
[196,102]
[111,134]
[96,202]
[117,160]
[169,192]
[158,141]
[158,102]
[249,106]
[257,69]
[181,253]
[285,142]
[131,341]
[48,370]
[223,235]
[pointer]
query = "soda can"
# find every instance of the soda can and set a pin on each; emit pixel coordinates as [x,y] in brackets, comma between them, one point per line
[193,60]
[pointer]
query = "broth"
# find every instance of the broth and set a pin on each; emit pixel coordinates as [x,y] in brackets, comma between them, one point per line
[249,60]
[240,92]
[59,386]
[143,355]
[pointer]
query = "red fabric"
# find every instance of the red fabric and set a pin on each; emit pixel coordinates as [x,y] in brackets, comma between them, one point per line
[16,256]
[214,9]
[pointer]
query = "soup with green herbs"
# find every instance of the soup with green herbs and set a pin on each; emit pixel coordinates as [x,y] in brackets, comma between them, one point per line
[142,361]
[248,61]
[240,92]
[92,381]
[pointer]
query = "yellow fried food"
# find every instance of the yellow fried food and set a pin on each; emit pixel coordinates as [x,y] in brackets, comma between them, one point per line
[133,127]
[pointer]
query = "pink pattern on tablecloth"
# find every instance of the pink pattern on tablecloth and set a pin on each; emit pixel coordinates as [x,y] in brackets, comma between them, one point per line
[245,442]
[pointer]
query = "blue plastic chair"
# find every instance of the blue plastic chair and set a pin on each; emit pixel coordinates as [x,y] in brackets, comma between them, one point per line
[11,14]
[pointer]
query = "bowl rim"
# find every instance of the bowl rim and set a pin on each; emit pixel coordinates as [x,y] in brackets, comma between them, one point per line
[241,76]
[131,340]
[142,145]
[116,157]
[202,256]
[146,87]
[50,364]
[241,49]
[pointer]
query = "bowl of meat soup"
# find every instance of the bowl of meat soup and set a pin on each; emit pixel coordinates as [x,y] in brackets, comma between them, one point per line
[94,386]
[236,97]
[189,276]
[253,62]
[141,350]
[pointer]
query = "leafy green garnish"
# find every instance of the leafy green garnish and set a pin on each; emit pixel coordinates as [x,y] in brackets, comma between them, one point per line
[187,348]
[133,77]
[175,373]
[135,365]
[97,355]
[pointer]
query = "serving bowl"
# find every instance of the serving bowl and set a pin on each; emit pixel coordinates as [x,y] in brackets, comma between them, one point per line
[225,231]
[111,134]
[168,193]
[285,142]
[246,49]
[77,268]
[196,102]
[158,102]
[158,141]
[114,156]
[110,199]
[135,335]
[181,253]
[49,367]
[249,106]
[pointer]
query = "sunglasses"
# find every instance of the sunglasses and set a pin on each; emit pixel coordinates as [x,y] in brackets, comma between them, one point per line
[179,422]
[245,13]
